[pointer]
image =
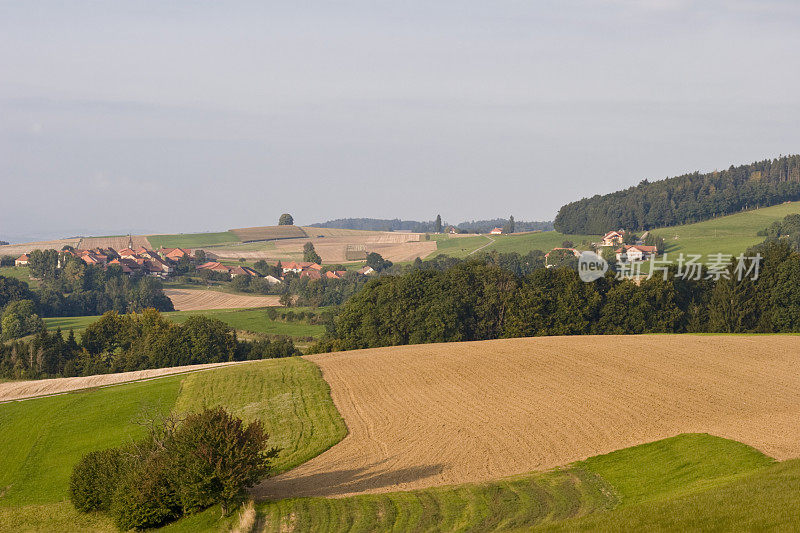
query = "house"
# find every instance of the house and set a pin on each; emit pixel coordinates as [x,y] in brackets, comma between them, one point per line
[243,271]
[366,271]
[496,231]
[311,274]
[175,254]
[613,238]
[452,230]
[21,260]
[635,252]
[272,280]
[214,266]
[298,267]
[123,264]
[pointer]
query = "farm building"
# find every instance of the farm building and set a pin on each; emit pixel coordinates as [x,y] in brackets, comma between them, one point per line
[613,238]
[496,231]
[635,252]
[21,260]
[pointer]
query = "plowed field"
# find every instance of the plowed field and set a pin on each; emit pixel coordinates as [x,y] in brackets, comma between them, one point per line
[441,414]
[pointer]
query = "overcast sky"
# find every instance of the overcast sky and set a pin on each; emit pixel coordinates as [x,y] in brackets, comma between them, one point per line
[137,116]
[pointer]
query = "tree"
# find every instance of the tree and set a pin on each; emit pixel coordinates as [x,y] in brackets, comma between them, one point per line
[286,220]
[377,262]
[568,244]
[509,226]
[310,254]
[437,226]
[200,256]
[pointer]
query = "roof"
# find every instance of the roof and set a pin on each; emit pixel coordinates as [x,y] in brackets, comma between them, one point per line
[23,257]
[213,265]
[243,270]
[612,232]
[641,248]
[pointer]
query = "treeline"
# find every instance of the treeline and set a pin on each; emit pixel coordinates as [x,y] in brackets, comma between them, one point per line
[122,343]
[787,230]
[685,199]
[485,226]
[473,226]
[476,300]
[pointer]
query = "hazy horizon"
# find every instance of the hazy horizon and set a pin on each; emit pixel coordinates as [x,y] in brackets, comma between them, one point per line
[144,117]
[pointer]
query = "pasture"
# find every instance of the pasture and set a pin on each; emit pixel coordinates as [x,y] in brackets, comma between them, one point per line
[732,234]
[192,240]
[43,438]
[249,320]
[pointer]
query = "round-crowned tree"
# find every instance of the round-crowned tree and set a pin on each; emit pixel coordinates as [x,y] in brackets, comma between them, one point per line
[286,220]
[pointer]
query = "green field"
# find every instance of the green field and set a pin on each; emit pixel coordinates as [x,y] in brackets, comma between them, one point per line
[192,240]
[601,489]
[521,243]
[251,320]
[43,438]
[731,234]
[22,273]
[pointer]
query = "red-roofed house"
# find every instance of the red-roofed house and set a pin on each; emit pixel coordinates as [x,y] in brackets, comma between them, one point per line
[613,237]
[214,266]
[635,252]
[21,260]
[243,271]
[496,231]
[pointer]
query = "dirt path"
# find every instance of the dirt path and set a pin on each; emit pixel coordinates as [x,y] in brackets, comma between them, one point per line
[491,241]
[198,300]
[18,390]
[441,414]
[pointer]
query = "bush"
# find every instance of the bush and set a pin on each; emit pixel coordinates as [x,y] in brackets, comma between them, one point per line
[95,478]
[146,497]
[181,468]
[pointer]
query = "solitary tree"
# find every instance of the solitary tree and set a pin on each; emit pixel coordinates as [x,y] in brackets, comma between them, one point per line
[310,254]
[509,227]
[437,226]
[286,220]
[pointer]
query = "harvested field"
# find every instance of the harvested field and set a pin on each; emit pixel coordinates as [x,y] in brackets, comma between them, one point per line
[198,300]
[440,414]
[337,232]
[395,247]
[18,249]
[118,243]
[266,233]
[18,390]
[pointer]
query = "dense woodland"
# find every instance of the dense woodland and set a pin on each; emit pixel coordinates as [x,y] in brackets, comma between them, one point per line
[121,343]
[685,199]
[480,299]
[473,226]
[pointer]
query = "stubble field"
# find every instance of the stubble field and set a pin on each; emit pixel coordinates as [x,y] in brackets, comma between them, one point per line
[199,300]
[430,415]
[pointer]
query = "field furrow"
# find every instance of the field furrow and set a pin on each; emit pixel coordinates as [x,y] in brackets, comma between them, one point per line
[439,414]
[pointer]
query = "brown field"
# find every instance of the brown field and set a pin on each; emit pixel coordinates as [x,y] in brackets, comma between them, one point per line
[18,249]
[265,233]
[442,414]
[199,300]
[118,243]
[332,247]
[79,243]
[18,390]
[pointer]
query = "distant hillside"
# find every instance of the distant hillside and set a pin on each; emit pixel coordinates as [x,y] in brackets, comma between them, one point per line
[485,226]
[395,224]
[377,224]
[685,199]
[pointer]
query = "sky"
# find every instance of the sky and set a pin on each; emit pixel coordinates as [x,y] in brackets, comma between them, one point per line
[162,117]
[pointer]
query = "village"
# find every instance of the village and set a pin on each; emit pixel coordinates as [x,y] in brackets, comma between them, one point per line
[624,251]
[167,262]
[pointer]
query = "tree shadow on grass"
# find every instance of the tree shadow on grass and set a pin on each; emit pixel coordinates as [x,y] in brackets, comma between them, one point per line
[340,482]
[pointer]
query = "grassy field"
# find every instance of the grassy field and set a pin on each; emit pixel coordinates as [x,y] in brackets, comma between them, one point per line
[43,438]
[631,478]
[22,273]
[252,320]
[731,234]
[522,243]
[192,240]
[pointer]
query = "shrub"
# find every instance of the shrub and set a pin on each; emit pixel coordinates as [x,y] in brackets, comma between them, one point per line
[146,496]
[95,478]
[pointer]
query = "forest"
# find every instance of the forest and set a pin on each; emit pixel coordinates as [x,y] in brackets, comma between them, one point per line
[685,199]
[480,299]
[136,341]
